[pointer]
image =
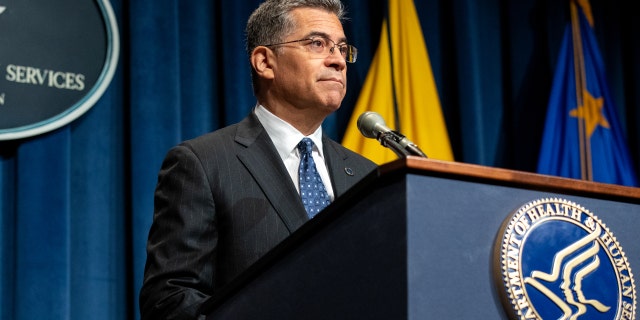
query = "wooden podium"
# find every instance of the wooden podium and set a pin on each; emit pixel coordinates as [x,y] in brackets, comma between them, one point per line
[414,240]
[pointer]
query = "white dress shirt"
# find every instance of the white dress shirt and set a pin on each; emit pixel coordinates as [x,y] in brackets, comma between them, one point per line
[286,138]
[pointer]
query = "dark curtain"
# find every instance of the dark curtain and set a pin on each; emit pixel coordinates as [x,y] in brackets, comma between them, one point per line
[76,203]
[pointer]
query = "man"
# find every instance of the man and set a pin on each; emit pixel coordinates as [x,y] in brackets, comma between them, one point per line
[225,199]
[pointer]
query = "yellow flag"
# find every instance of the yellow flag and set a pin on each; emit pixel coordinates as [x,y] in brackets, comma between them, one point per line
[409,77]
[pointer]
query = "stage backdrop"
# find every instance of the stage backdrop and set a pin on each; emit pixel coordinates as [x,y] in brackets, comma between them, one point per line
[76,203]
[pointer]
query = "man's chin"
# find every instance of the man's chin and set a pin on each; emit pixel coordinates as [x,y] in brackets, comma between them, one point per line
[333,104]
[334,98]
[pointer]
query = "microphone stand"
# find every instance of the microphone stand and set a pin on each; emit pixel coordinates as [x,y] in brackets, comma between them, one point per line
[392,140]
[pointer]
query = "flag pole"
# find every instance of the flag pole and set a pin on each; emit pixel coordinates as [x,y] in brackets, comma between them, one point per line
[580,79]
[394,94]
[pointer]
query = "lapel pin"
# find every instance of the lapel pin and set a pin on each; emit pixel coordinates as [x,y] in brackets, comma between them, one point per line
[348,171]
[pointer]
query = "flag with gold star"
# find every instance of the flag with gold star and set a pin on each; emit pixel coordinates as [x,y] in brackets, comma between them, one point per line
[583,138]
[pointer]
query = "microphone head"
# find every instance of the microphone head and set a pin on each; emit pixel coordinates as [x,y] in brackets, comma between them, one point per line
[368,122]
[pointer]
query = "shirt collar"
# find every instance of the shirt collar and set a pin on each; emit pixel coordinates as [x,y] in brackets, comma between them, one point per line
[283,135]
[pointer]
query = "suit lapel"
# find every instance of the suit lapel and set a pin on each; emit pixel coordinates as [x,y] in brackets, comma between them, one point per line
[263,162]
[336,162]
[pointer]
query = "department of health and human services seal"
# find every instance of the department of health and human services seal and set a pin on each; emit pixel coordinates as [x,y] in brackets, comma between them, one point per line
[554,259]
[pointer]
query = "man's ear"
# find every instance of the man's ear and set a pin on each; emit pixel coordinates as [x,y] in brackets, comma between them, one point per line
[262,60]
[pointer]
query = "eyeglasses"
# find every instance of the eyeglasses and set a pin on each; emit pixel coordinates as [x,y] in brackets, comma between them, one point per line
[319,46]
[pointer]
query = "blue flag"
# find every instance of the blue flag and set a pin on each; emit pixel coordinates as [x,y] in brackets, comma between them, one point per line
[583,138]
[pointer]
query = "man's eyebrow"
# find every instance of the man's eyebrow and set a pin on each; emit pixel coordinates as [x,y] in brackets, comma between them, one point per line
[325,35]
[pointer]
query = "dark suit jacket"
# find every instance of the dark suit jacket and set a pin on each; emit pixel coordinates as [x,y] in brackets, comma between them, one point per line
[222,201]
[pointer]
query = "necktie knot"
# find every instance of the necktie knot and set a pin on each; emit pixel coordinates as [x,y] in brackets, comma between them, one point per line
[312,191]
[305,146]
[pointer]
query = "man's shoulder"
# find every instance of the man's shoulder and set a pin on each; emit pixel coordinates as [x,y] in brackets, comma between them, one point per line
[209,139]
[247,128]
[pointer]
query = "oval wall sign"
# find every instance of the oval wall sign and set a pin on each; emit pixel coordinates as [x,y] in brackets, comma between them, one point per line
[56,60]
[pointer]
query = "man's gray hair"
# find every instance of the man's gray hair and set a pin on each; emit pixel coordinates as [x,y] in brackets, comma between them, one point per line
[272,21]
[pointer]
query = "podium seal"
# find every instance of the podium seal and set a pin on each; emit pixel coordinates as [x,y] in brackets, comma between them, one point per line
[554,259]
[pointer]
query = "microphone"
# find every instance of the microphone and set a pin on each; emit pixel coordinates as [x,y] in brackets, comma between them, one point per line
[371,125]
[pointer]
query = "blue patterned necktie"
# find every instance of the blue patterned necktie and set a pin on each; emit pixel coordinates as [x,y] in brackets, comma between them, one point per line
[312,191]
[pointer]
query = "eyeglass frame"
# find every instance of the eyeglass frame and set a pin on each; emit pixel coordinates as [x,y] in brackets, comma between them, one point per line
[350,48]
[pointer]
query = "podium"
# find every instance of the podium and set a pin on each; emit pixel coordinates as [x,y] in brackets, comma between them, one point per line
[414,240]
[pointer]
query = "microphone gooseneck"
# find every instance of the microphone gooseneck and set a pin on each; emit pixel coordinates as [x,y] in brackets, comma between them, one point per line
[373,126]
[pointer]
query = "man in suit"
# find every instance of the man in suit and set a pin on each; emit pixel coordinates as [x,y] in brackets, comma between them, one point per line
[226,198]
